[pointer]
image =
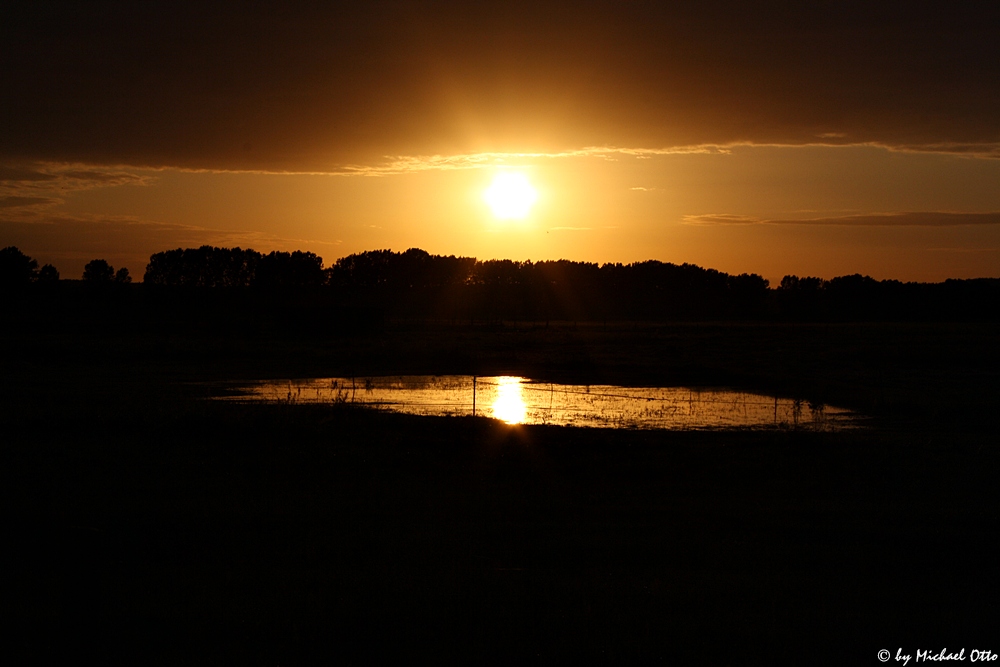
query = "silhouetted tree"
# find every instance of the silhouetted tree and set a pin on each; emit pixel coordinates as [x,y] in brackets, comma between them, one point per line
[122,277]
[801,298]
[16,268]
[748,295]
[413,268]
[98,271]
[414,283]
[366,269]
[203,267]
[282,269]
[48,274]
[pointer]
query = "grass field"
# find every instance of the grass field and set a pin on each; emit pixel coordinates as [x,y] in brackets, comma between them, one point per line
[149,526]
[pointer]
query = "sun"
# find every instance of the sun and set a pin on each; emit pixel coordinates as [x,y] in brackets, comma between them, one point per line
[510,196]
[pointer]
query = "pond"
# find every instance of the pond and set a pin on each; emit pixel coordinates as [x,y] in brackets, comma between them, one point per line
[518,400]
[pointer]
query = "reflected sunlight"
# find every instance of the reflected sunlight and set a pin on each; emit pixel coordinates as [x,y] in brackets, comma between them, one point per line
[509,406]
[598,406]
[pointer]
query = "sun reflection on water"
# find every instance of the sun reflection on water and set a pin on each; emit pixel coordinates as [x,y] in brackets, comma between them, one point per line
[509,406]
[517,400]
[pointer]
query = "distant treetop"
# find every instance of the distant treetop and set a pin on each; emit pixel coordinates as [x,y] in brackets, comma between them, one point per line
[98,271]
[48,274]
[208,266]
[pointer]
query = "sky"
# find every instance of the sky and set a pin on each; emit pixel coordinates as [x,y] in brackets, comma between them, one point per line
[773,138]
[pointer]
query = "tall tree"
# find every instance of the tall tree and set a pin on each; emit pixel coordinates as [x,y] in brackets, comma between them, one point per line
[16,268]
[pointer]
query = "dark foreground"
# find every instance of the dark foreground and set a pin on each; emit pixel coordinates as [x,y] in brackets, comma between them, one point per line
[147,526]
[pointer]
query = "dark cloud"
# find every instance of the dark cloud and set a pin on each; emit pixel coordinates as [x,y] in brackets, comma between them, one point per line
[15,174]
[900,219]
[91,177]
[40,185]
[14,201]
[721,219]
[280,86]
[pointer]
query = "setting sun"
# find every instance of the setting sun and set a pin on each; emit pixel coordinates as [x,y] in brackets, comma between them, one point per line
[510,196]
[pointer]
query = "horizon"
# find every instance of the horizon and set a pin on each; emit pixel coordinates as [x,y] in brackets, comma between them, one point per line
[136,277]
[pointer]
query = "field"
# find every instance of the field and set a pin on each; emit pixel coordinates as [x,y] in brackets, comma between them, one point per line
[147,525]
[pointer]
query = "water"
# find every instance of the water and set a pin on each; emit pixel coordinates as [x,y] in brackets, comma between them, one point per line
[518,400]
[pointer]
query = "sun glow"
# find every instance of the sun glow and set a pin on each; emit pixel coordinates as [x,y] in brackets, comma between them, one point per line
[510,196]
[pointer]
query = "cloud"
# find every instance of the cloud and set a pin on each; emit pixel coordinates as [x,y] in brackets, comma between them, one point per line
[302,87]
[19,174]
[986,149]
[28,192]
[897,219]
[966,250]
[41,184]
[401,164]
[14,201]
[719,219]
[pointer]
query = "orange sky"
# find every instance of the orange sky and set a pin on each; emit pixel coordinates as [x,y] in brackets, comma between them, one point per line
[742,137]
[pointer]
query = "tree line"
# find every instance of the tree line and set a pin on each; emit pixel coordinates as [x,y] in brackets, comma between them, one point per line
[416,284]
[17,269]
